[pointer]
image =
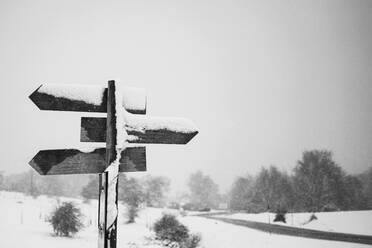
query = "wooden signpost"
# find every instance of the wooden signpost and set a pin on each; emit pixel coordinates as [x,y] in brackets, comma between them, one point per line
[125,124]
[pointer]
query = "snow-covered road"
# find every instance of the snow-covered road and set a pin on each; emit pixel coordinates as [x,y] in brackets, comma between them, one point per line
[354,222]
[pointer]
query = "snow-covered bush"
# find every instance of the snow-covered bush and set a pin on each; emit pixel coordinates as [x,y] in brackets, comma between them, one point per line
[280,217]
[193,241]
[313,217]
[66,219]
[170,230]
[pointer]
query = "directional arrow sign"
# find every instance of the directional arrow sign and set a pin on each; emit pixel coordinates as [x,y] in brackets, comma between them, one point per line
[73,161]
[121,127]
[142,129]
[85,98]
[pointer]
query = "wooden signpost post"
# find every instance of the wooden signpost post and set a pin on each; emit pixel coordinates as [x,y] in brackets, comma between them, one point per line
[125,124]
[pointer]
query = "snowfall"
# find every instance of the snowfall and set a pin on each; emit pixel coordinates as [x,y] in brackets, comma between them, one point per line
[23,224]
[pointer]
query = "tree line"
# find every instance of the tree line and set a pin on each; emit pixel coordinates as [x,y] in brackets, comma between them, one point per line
[31,183]
[317,183]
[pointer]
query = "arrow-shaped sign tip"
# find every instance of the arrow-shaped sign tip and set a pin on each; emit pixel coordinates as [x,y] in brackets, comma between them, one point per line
[190,136]
[35,163]
[34,97]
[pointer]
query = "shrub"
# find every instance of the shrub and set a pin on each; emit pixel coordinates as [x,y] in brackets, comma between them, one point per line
[192,242]
[280,216]
[132,213]
[313,217]
[66,219]
[168,228]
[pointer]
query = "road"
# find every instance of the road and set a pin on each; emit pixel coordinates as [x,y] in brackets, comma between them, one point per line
[294,231]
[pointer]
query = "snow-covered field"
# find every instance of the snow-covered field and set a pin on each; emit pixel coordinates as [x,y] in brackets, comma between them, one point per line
[355,222]
[22,224]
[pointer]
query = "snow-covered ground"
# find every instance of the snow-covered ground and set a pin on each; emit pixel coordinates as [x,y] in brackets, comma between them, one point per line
[355,222]
[22,224]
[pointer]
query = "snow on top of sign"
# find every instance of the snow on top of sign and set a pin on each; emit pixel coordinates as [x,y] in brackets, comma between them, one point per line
[87,149]
[134,98]
[141,123]
[88,93]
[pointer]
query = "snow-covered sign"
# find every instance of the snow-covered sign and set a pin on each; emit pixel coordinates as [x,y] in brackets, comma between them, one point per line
[85,98]
[123,126]
[86,161]
[141,129]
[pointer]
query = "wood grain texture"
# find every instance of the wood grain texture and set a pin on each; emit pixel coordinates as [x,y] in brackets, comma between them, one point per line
[73,161]
[111,131]
[111,189]
[93,129]
[50,102]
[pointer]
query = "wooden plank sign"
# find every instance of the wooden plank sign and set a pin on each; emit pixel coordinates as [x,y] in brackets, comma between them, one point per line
[85,98]
[141,130]
[74,161]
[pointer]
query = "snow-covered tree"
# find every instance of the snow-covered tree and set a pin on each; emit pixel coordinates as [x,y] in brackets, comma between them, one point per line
[66,219]
[241,194]
[273,190]
[203,191]
[318,182]
[91,190]
[132,194]
[155,189]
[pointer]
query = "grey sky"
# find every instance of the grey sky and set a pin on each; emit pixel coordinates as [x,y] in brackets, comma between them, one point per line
[263,80]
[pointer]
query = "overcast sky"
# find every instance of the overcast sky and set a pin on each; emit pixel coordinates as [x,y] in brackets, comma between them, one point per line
[263,80]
